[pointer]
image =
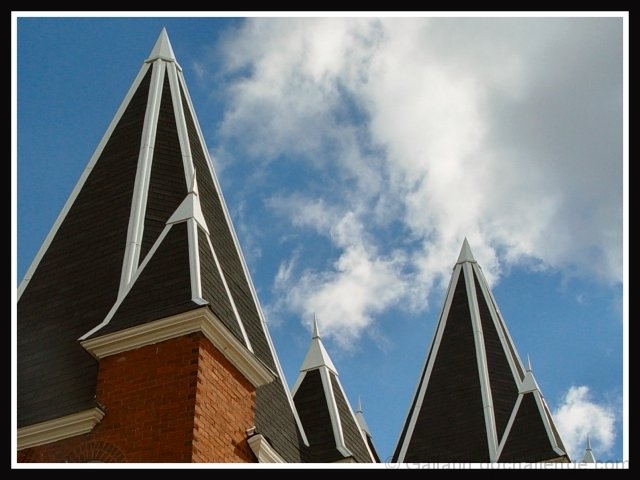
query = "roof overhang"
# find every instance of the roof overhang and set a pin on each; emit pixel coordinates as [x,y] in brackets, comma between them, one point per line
[263,450]
[199,320]
[59,428]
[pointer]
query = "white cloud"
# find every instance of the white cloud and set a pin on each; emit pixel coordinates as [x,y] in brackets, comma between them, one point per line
[346,299]
[360,284]
[580,415]
[502,131]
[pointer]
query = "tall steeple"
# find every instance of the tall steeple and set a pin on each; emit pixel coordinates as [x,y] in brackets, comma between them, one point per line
[144,250]
[474,400]
[332,428]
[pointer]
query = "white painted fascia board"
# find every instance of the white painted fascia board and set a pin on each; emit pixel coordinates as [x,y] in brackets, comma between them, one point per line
[263,450]
[59,428]
[334,413]
[201,319]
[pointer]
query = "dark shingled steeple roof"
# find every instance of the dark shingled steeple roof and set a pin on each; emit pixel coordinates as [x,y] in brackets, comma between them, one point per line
[474,401]
[334,431]
[145,235]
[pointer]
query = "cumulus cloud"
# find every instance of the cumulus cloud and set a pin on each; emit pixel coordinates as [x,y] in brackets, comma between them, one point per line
[403,136]
[360,284]
[580,415]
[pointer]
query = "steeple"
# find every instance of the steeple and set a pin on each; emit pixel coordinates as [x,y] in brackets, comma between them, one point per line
[474,400]
[317,356]
[588,454]
[143,252]
[334,432]
[365,430]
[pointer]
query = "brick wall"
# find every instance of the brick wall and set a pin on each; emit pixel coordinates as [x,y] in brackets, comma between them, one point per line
[176,401]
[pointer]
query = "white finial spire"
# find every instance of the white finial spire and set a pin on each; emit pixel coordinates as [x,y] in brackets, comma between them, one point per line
[162,48]
[317,356]
[360,418]
[529,383]
[588,454]
[316,332]
[465,253]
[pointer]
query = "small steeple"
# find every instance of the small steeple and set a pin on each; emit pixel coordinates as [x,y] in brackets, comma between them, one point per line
[317,356]
[360,417]
[335,432]
[529,383]
[588,454]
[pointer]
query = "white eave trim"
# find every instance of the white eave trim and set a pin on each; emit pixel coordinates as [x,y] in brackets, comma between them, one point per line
[59,428]
[201,319]
[334,413]
[263,450]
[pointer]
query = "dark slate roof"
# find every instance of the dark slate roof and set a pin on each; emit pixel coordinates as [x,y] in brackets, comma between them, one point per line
[144,235]
[333,430]
[474,401]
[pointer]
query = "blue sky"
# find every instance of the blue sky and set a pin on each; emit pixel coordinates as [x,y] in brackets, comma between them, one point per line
[355,154]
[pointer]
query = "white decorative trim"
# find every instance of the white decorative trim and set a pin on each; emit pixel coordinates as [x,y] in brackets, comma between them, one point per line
[194,257]
[181,122]
[264,452]
[59,428]
[229,295]
[507,430]
[201,319]
[334,413]
[508,345]
[354,416]
[481,357]
[123,294]
[546,419]
[135,229]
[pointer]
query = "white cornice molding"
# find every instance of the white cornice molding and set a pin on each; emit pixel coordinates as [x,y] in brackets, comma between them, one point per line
[201,319]
[263,450]
[59,428]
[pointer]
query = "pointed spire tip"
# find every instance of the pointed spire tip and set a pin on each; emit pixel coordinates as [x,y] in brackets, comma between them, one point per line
[465,253]
[162,49]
